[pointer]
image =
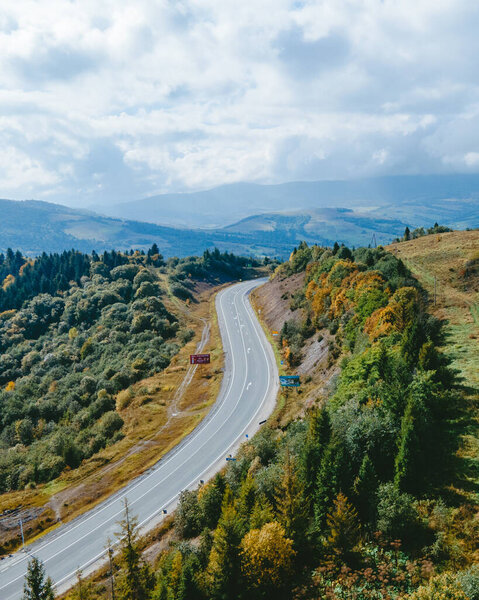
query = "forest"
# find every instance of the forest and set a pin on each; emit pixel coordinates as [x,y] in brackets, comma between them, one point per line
[360,499]
[75,330]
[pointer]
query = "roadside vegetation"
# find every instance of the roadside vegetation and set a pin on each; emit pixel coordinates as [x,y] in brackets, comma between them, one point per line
[362,497]
[78,336]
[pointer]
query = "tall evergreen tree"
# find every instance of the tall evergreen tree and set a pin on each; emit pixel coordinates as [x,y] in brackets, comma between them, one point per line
[36,586]
[317,438]
[291,508]
[136,579]
[223,573]
[332,477]
[365,489]
[344,531]
[412,459]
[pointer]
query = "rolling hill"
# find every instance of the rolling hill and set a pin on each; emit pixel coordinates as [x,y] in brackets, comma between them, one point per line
[323,226]
[35,227]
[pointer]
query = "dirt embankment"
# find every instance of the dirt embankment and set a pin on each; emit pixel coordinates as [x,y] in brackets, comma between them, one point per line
[274,299]
[316,369]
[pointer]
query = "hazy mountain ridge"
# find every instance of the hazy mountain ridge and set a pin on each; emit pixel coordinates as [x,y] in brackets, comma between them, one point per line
[224,205]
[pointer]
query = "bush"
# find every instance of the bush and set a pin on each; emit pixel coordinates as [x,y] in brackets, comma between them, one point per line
[397,518]
[188,515]
[109,423]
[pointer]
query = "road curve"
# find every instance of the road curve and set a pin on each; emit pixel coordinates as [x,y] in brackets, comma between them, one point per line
[247,396]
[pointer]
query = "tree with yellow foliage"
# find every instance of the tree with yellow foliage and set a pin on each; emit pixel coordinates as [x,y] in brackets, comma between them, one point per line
[8,281]
[10,386]
[344,531]
[441,587]
[267,559]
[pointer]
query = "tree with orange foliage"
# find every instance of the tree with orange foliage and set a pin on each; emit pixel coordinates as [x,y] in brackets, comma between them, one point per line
[399,314]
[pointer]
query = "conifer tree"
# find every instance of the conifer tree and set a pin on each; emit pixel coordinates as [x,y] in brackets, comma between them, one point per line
[410,464]
[223,573]
[290,505]
[136,580]
[344,531]
[332,474]
[262,513]
[246,499]
[189,582]
[36,586]
[365,489]
[317,438]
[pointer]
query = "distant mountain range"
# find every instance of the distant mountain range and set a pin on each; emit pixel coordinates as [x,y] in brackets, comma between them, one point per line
[277,217]
[404,197]
[34,227]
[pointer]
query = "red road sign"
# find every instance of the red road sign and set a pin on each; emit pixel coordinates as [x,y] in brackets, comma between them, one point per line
[199,359]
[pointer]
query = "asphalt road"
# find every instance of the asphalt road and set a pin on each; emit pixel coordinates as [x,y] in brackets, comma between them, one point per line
[247,396]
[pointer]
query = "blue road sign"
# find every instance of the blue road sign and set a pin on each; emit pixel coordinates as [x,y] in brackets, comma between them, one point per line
[289,380]
[229,458]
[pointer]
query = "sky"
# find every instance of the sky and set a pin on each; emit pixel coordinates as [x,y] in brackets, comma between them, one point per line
[104,102]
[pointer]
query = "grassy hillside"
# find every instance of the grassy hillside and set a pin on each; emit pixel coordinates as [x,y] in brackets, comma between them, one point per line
[448,263]
[320,226]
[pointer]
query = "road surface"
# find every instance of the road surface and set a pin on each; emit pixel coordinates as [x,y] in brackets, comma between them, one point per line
[247,396]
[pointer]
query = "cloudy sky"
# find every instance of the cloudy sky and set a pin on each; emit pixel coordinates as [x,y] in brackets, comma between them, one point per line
[115,100]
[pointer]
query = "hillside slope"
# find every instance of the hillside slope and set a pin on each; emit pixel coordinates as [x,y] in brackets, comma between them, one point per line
[448,263]
[320,226]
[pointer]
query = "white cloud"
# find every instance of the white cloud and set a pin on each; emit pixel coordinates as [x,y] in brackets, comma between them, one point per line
[103,102]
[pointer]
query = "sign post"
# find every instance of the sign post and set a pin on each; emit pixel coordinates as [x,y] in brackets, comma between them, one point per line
[289,381]
[199,359]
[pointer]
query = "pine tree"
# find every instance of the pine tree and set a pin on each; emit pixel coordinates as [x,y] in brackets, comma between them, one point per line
[136,580]
[262,513]
[407,234]
[290,505]
[189,581]
[175,574]
[332,475]
[365,489]
[246,499]
[317,438]
[223,573]
[83,590]
[344,531]
[36,587]
[411,459]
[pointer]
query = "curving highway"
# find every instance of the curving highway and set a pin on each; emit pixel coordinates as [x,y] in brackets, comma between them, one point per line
[247,396]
